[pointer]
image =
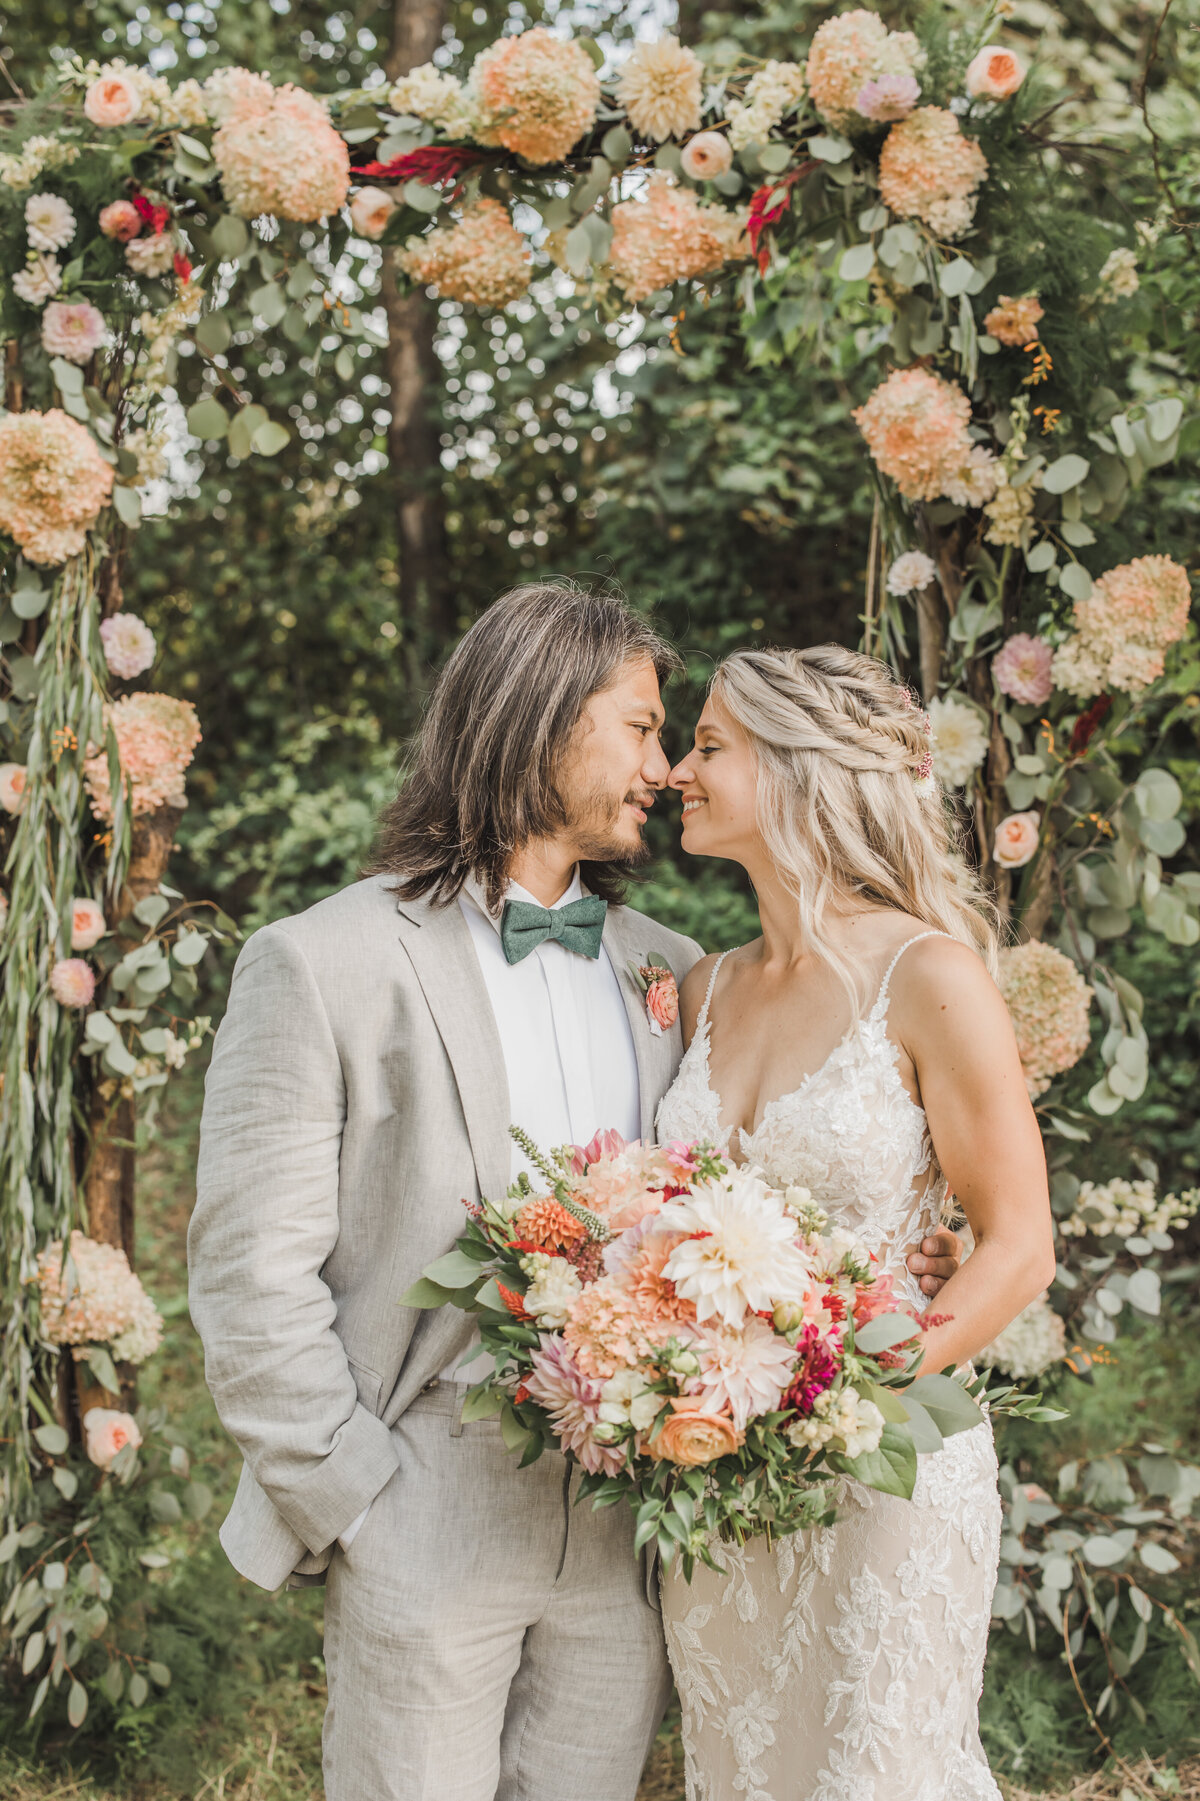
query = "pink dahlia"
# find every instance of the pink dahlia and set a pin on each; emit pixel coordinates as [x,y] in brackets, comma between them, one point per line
[72,983]
[1048,1003]
[572,1400]
[539,92]
[670,235]
[481,260]
[887,99]
[916,425]
[928,170]
[53,483]
[72,329]
[744,1369]
[129,645]
[850,51]
[156,738]
[276,150]
[120,219]
[1022,669]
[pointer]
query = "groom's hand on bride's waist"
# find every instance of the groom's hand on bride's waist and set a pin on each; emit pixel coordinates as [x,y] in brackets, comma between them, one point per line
[936,1260]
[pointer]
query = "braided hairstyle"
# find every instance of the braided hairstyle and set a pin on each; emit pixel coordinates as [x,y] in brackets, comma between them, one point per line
[845,806]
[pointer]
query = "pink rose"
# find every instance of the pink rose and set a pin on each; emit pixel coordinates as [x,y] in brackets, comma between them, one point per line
[106,1432]
[87,923]
[113,100]
[370,210]
[706,156]
[12,787]
[662,1002]
[120,220]
[691,1437]
[72,983]
[1016,840]
[994,74]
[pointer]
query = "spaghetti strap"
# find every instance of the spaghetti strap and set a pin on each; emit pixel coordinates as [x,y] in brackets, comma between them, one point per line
[882,997]
[702,1021]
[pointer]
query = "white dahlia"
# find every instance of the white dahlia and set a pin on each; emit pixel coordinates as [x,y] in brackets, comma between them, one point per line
[659,87]
[745,1368]
[960,740]
[739,1253]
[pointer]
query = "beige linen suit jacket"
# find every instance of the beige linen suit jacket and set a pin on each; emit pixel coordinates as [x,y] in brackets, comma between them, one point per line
[357,1096]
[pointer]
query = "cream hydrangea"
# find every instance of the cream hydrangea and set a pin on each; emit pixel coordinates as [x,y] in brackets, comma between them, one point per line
[92,1297]
[659,87]
[768,96]
[481,260]
[1048,1003]
[53,483]
[20,169]
[156,738]
[960,739]
[538,94]
[553,1289]
[427,93]
[1032,1342]
[1122,1209]
[1119,276]
[847,52]
[1124,628]
[275,148]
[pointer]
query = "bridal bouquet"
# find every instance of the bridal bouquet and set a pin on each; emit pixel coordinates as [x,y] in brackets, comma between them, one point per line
[703,1344]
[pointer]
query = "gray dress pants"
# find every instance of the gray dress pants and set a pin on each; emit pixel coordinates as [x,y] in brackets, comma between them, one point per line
[485,1638]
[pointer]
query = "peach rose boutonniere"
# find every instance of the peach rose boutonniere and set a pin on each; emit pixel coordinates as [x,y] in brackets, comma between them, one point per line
[657,982]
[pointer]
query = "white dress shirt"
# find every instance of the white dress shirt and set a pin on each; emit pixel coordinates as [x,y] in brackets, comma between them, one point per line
[568,1053]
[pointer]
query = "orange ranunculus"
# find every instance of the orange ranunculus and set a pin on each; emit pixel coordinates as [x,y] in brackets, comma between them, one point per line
[995,74]
[690,1436]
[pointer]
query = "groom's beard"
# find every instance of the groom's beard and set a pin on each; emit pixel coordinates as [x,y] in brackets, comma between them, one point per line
[595,821]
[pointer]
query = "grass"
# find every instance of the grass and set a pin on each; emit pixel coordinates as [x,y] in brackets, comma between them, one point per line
[255,1733]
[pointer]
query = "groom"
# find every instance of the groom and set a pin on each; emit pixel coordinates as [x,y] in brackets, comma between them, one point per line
[485,1640]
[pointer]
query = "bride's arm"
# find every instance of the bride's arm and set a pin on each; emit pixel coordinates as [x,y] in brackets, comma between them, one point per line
[951,1019]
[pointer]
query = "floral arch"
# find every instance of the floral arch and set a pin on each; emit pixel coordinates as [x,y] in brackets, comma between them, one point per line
[910,183]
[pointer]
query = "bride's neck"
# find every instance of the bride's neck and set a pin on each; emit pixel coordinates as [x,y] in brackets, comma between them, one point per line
[785,941]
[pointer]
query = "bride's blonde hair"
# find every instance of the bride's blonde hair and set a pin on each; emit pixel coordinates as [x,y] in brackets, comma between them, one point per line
[841,747]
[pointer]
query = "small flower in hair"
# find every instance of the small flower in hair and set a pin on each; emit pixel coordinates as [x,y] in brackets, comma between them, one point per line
[923,775]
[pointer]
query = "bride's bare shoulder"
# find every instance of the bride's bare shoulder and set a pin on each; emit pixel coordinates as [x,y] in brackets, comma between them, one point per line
[692,990]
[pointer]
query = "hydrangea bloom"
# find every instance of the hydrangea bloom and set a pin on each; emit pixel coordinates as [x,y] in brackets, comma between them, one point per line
[427,93]
[128,645]
[606,1329]
[915,425]
[911,571]
[49,221]
[553,1289]
[768,96]
[960,740]
[669,236]
[1048,1001]
[53,483]
[1014,322]
[1124,627]
[96,1299]
[276,149]
[1119,276]
[847,52]
[72,329]
[156,738]
[482,259]
[1121,1209]
[1030,1343]
[72,982]
[1021,668]
[928,170]
[539,94]
[37,153]
[659,87]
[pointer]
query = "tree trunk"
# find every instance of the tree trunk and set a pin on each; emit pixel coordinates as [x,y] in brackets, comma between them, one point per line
[414,374]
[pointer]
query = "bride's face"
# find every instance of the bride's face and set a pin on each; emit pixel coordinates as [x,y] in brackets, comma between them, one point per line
[718,784]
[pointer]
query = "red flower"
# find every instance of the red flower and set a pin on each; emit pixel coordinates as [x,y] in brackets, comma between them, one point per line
[513,1302]
[156,217]
[1088,723]
[767,206]
[183,268]
[433,167]
[815,1371]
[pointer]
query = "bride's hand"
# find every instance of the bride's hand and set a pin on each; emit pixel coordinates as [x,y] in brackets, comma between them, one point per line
[937,1260]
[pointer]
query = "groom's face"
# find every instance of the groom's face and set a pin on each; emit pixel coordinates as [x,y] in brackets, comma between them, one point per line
[615,767]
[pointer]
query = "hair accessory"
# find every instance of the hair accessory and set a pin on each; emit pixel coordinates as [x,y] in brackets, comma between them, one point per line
[923,773]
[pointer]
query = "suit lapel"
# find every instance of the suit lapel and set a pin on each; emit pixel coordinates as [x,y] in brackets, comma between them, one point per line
[439,946]
[629,940]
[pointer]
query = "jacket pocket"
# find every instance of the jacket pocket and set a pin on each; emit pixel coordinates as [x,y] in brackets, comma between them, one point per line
[368,1384]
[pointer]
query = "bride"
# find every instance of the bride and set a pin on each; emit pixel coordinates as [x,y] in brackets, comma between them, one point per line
[859,1048]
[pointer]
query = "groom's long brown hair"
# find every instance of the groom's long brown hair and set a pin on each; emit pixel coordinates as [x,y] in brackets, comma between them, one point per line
[483,778]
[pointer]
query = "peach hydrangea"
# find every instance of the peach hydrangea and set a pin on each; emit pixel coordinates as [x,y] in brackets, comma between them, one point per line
[481,260]
[606,1329]
[94,1298]
[915,425]
[539,94]
[847,52]
[929,170]
[659,86]
[156,738]
[1021,668]
[1014,322]
[53,483]
[1048,1003]
[275,148]
[1123,628]
[669,236]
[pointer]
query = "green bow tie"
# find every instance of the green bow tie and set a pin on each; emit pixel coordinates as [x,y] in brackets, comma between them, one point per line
[578,927]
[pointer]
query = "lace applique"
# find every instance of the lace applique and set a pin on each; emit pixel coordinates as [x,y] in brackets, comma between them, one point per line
[845,1664]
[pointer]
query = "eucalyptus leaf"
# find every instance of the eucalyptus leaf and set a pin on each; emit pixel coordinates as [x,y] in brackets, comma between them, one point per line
[954,278]
[1075,581]
[1040,556]
[230,237]
[207,418]
[857,262]
[271,437]
[30,603]
[1065,472]
[127,503]
[829,148]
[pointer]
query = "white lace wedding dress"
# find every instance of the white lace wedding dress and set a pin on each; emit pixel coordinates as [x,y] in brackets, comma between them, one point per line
[845,1663]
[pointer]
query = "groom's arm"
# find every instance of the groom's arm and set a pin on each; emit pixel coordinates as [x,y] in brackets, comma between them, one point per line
[266,1220]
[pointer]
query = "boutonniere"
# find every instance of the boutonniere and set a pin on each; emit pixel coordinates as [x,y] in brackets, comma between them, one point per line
[656,981]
